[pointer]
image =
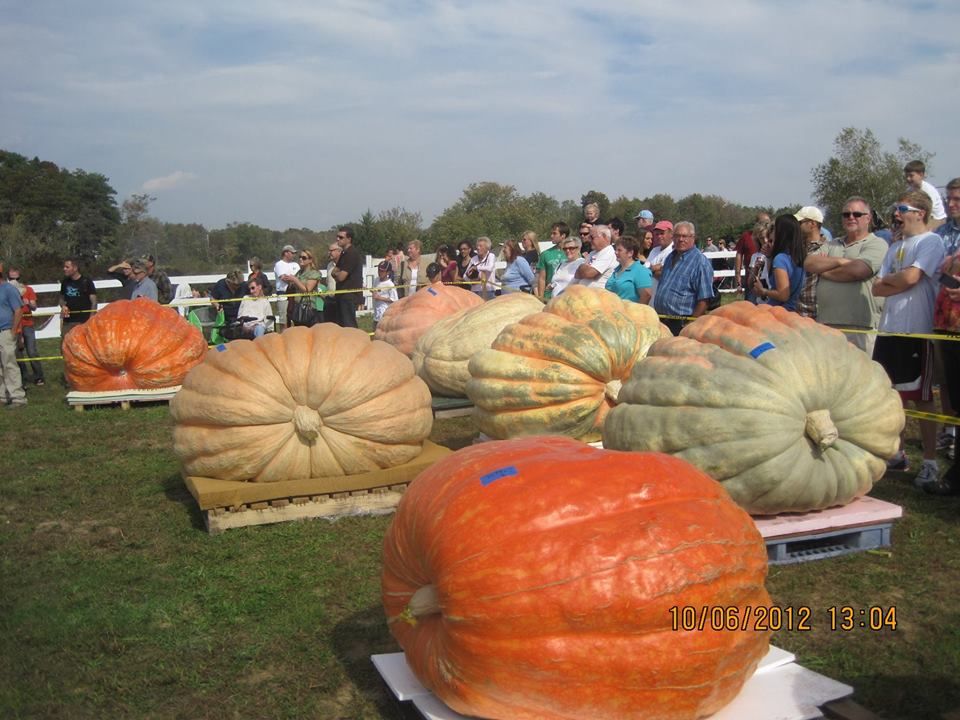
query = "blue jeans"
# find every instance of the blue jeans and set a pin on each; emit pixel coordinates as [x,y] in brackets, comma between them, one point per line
[29,350]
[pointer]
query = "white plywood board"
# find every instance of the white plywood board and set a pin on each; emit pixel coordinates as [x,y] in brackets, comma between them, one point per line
[779,690]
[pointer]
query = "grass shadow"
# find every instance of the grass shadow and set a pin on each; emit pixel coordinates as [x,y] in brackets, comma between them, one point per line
[175,490]
[913,697]
[898,488]
[355,639]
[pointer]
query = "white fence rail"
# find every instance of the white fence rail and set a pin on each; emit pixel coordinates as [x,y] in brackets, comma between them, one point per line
[47,313]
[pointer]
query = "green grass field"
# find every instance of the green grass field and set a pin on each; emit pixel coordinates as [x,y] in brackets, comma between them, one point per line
[115,602]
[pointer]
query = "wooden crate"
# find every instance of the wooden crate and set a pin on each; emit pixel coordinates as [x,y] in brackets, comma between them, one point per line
[79,399]
[227,504]
[444,407]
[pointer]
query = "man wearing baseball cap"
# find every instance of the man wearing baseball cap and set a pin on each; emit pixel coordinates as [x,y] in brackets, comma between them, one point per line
[644,220]
[662,247]
[286,265]
[811,221]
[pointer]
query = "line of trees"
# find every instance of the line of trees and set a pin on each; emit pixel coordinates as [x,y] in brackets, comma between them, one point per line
[48,213]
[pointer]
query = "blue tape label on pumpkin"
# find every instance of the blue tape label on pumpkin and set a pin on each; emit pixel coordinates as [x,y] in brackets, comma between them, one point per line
[761,349]
[221,348]
[508,471]
[431,291]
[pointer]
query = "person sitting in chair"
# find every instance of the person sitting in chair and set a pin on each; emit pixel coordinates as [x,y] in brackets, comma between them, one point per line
[226,294]
[254,311]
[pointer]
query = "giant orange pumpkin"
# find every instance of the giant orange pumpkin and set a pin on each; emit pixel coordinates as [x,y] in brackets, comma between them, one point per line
[534,579]
[129,345]
[406,320]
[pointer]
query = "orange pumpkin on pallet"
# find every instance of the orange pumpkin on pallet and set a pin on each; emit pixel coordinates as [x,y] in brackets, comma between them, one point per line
[536,579]
[406,320]
[131,345]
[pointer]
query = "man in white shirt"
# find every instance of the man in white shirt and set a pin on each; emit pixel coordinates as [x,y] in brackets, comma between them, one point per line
[907,281]
[286,265]
[662,247]
[914,173]
[481,269]
[602,260]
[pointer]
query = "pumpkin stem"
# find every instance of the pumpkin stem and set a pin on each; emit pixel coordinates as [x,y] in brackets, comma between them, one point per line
[612,390]
[307,423]
[425,601]
[820,429]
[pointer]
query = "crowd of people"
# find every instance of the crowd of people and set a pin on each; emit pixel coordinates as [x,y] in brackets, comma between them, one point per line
[881,286]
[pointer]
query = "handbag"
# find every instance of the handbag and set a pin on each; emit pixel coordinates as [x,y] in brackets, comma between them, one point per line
[304,313]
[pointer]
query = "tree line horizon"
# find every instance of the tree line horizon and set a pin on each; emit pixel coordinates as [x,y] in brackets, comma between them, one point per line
[48,213]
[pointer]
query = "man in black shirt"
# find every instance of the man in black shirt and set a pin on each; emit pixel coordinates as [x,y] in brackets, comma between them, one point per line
[78,296]
[227,293]
[349,276]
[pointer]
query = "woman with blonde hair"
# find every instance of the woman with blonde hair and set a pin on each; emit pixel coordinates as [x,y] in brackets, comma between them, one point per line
[308,309]
[412,274]
[528,243]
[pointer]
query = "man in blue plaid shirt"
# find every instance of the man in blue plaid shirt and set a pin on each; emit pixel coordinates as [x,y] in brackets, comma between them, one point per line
[686,280]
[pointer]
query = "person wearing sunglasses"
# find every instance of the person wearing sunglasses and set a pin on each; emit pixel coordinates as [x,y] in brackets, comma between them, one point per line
[846,267]
[144,286]
[305,310]
[565,274]
[584,234]
[349,276]
[286,265]
[907,281]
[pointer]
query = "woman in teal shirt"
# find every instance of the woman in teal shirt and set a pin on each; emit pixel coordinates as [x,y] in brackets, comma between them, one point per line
[631,280]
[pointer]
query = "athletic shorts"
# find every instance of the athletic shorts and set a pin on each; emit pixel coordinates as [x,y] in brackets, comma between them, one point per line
[909,364]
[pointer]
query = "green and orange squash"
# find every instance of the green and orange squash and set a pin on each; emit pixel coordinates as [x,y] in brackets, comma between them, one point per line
[443,353]
[559,371]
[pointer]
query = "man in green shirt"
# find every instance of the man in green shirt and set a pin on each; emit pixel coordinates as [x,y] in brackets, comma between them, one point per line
[551,259]
[846,268]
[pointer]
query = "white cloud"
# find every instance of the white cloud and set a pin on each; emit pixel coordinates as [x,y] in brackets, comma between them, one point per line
[168,182]
[297,113]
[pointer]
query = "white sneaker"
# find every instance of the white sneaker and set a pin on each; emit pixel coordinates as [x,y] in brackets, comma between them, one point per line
[929,473]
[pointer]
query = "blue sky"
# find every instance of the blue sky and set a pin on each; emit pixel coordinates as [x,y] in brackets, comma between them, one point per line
[301,113]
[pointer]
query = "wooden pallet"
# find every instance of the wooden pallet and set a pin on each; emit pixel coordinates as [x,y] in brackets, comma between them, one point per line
[227,504]
[444,407]
[864,524]
[374,501]
[79,399]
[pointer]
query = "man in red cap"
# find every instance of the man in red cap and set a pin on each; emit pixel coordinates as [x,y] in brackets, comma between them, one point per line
[662,247]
